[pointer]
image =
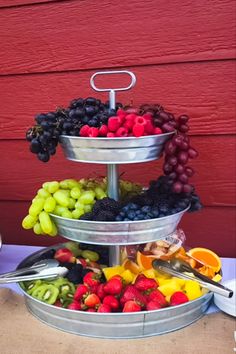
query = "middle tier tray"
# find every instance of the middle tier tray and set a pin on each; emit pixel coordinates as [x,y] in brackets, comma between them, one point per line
[114,150]
[117,233]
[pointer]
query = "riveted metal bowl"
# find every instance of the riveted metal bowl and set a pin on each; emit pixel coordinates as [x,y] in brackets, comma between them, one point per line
[115,325]
[114,150]
[117,232]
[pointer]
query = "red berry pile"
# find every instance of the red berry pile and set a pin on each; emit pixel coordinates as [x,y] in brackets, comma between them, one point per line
[123,124]
[115,296]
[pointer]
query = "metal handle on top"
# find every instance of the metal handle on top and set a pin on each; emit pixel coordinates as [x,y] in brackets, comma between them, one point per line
[112,91]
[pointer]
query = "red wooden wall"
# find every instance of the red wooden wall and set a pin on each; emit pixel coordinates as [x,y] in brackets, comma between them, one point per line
[183,54]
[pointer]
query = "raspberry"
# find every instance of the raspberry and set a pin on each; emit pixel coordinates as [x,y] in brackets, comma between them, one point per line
[148,116]
[110,135]
[128,124]
[84,131]
[149,127]
[113,124]
[121,112]
[122,132]
[138,130]
[121,119]
[140,120]
[103,130]
[157,131]
[93,132]
[131,116]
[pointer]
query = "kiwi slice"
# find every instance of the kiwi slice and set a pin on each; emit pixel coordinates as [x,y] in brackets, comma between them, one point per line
[47,293]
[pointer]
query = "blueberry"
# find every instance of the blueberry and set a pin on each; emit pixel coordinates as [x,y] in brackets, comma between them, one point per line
[163,209]
[146,208]
[146,217]
[131,214]
[119,218]
[138,212]
[125,209]
[133,206]
[155,212]
[126,219]
[161,215]
[136,218]
[140,216]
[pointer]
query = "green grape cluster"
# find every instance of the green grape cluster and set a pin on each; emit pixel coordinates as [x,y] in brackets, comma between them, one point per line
[70,199]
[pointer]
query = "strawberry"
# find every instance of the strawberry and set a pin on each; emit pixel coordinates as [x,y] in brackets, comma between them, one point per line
[74,306]
[90,279]
[100,291]
[82,261]
[131,306]
[91,310]
[64,255]
[138,130]
[84,131]
[113,286]
[178,298]
[113,124]
[143,283]
[132,293]
[80,292]
[148,116]
[153,305]
[103,130]
[111,301]
[157,296]
[121,112]
[58,303]
[104,308]
[92,300]
[93,132]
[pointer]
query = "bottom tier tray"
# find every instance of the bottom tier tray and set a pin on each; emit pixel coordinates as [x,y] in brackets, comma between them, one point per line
[115,325]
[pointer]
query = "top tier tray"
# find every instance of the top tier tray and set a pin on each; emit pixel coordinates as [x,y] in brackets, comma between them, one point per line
[114,150]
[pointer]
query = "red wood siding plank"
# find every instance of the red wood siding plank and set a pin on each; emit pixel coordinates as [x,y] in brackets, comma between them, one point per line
[205,91]
[215,178]
[13,3]
[212,227]
[85,34]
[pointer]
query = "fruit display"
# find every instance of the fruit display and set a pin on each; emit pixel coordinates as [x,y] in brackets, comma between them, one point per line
[92,286]
[116,275]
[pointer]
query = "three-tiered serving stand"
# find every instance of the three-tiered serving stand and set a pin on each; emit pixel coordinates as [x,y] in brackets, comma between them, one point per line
[112,152]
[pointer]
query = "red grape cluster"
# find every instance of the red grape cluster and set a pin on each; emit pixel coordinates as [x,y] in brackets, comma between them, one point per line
[178,151]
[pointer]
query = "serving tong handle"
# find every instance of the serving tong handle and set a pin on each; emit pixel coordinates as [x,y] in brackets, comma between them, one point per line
[216,288]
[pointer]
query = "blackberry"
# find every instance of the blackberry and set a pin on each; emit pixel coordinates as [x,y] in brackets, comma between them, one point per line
[104,215]
[87,216]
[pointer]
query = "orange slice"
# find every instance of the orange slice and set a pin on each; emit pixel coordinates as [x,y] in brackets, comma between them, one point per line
[144,261]
[132,266]
[206,257]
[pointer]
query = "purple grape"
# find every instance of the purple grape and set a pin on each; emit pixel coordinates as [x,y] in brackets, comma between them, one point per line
[183,119]
[172,160]
[183,157]
[167,168]
[189,171]
[183,128]
[170,148]
[177,140]
[184,146]
[173,175]
[167,128]
[179,169]
[192,153]
[187,188]
[177,187]
[183,178]
[164,116]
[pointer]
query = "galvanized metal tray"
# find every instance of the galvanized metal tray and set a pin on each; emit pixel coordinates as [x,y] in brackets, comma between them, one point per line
[117,232]
[114,150]
[116,325]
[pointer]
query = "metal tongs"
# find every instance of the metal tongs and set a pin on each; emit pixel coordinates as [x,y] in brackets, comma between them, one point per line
[177,268]
[47,268]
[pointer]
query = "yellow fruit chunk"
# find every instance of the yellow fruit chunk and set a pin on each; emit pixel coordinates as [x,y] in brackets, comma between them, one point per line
[132,266]
[217,278]
[168,298]
[111,271]
[169,287]
[127,276]
[150,273]
[192,289]
[180,281]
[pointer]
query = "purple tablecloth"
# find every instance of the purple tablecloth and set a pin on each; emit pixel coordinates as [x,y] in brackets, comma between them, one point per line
[12,255]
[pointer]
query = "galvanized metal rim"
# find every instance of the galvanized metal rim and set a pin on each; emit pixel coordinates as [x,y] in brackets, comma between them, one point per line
[118,314]
[119,222]
[128,138]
